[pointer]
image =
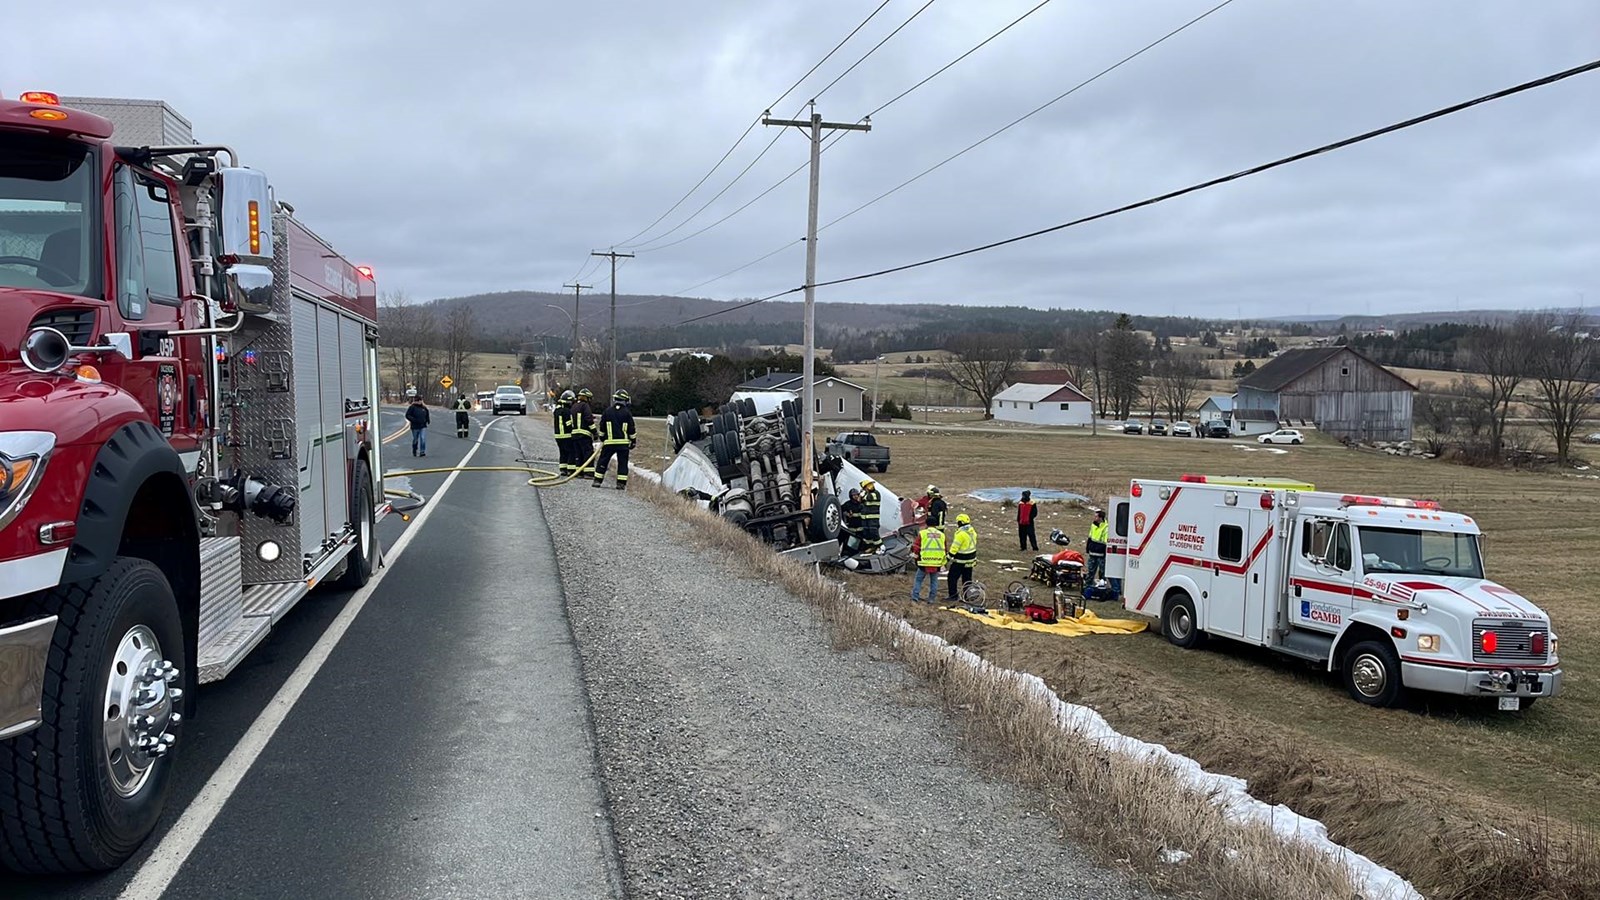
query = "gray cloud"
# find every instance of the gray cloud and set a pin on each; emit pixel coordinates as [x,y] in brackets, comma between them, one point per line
[477,146]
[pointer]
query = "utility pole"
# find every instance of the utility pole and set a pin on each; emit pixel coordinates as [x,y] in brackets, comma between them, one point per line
[577,289]
[814,126]
[613,254]
[875,391]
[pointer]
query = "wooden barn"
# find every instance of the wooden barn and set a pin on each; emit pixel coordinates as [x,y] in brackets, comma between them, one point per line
[1342,392]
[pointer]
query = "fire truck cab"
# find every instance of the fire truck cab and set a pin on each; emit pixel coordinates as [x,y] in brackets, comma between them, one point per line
[1389,592]
[187,386]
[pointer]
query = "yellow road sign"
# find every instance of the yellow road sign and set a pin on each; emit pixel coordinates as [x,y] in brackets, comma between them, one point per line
[446,381]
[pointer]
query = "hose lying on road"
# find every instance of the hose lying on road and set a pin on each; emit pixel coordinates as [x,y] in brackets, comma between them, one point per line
[542,477]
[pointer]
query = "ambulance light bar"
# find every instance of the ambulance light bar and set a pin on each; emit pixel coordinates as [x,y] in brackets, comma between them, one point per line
[1357,500]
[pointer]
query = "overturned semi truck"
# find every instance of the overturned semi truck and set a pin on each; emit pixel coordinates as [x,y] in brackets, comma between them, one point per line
[745,464]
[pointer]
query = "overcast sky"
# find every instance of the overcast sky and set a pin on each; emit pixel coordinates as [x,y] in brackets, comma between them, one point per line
[475,146]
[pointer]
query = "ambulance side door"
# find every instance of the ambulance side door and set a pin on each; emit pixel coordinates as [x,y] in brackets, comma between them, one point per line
[1117,543]
[1321,575]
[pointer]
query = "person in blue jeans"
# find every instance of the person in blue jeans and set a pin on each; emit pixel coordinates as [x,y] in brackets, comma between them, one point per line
[928,551]
[417,415]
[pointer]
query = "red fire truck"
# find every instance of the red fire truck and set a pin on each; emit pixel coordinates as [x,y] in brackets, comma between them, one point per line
[187,388]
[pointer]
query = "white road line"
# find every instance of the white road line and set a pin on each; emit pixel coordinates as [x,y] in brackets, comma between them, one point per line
[169,856]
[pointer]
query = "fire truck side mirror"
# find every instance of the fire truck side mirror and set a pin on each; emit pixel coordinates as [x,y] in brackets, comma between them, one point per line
[246,218]
[250,287]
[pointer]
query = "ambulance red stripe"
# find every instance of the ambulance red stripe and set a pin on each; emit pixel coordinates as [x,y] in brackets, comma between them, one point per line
[1171,498]
[1227,568]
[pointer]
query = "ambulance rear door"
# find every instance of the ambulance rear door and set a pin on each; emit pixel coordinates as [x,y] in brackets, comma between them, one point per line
[1117,543]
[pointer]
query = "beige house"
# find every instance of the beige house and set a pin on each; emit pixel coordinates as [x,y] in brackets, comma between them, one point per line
[834,399]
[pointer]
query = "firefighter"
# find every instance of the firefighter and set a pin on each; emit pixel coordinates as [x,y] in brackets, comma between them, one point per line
[582,430]
[937,508]
[1095,546]
[417,416]
[563,431]
[617,438]
[871,503]
[850,524]
[927,550]
[963,554]
[462,406]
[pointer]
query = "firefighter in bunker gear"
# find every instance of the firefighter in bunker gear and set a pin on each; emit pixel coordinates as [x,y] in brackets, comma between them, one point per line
[937,508]
[617,438]
[850,524]
[928,551]
[871,504]
[582,430]
[563,430]
[963,555]
[462,406]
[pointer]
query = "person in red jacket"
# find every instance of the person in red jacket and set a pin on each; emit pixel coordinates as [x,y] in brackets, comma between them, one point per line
[1027,515]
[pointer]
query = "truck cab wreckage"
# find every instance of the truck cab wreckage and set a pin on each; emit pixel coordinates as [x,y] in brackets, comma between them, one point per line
[746,462]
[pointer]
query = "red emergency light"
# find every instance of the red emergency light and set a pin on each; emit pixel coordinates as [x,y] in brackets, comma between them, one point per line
[366,272]
[1536,643]
[1359,500]
[42,97]
[1266,500]
[1192,479]
[1490,642]
[1137,489]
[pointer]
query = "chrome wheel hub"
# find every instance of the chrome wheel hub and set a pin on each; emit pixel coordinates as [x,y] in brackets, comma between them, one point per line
[1181,623]
[1369,675]
[139,710]
[832,516]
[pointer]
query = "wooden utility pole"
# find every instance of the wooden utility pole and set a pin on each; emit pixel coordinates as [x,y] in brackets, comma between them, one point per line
[814,127]
[577,289]
[613,255]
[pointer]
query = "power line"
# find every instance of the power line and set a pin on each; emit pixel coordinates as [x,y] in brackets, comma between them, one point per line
[942,69]
[753,124]
[1171,195]
[886,38]
[1036,110]
[763,258]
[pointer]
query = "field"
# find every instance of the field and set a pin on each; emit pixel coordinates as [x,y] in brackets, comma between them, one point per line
[1421,788]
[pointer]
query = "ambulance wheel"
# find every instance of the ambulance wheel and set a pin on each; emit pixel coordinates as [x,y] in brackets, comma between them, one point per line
[1372,673]
[363,557]
[1179,623]
[82,791]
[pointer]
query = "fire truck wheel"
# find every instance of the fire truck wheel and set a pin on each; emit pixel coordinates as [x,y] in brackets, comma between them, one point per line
[363,557]
[82,791]
[1372,673]
[1179,623]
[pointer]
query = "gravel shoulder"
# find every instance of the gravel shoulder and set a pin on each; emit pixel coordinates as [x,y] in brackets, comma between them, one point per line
[742,756]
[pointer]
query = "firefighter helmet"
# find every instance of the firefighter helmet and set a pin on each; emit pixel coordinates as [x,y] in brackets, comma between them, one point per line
[585,393]
[963,519]
[568,396]
[621,397]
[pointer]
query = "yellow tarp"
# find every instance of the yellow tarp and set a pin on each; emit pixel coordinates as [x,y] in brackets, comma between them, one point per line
[1088,623]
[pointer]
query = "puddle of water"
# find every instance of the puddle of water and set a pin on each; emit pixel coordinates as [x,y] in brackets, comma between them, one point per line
[999,494]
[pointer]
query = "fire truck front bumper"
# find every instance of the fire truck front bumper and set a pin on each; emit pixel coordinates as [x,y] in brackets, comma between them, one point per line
[24,650]
[1481,682]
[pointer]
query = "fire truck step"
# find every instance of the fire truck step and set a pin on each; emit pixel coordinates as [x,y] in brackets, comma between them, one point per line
[272,601]
[1312,645]
[219,657]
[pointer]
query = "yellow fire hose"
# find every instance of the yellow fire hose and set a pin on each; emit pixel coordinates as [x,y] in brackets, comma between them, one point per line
[542,477]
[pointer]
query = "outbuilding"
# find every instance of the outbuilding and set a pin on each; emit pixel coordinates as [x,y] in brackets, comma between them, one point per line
[1055,403]
[1341,391]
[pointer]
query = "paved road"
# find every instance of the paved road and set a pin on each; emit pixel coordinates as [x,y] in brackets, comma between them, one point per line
[443,750]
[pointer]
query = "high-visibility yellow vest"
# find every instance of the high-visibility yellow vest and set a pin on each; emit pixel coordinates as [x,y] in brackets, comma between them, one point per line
[932,548]
[1099,532]
[964,546]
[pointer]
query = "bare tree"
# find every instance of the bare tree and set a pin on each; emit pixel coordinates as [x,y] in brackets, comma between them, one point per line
[460,338]
[1177,381]
[1563,361]
[1501,353]
[1079,354]
[982,364]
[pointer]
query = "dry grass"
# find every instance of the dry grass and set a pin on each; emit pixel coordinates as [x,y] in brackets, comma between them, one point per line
[1127,811]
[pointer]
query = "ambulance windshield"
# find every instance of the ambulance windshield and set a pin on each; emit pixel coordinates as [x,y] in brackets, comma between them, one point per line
[47,214]
[1401,550]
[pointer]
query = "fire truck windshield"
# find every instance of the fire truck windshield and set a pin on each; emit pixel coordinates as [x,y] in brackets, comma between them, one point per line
[48,210]
[1402,550]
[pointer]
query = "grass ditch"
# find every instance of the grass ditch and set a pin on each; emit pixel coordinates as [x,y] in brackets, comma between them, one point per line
[1126,811]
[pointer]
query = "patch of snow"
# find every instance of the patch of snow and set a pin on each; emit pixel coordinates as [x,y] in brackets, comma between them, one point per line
[1175,857]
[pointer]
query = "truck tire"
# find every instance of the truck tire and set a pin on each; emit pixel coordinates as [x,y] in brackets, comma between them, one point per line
[791,432]
[1179,622]
[883,467]
[362,559]
[1371,672]
[825,519]
[75,796]
[691,426]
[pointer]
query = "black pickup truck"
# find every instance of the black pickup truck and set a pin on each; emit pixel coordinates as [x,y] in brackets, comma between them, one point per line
[861,449]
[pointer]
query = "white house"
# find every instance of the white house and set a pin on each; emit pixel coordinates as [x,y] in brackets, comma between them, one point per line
[1060,403]
[1217,406]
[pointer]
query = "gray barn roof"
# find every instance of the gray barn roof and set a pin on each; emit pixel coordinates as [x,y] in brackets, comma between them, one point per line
[1292,365]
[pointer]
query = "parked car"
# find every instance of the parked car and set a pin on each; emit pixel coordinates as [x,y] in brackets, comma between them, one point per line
[486,399]
[1133,426]
[1593,438]
[1282,436]
[1158,426]
[1182,429]
[861,449]
[510,398]
[1216,428]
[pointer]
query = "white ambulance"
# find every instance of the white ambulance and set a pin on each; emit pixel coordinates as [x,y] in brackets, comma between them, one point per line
[1389,592]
